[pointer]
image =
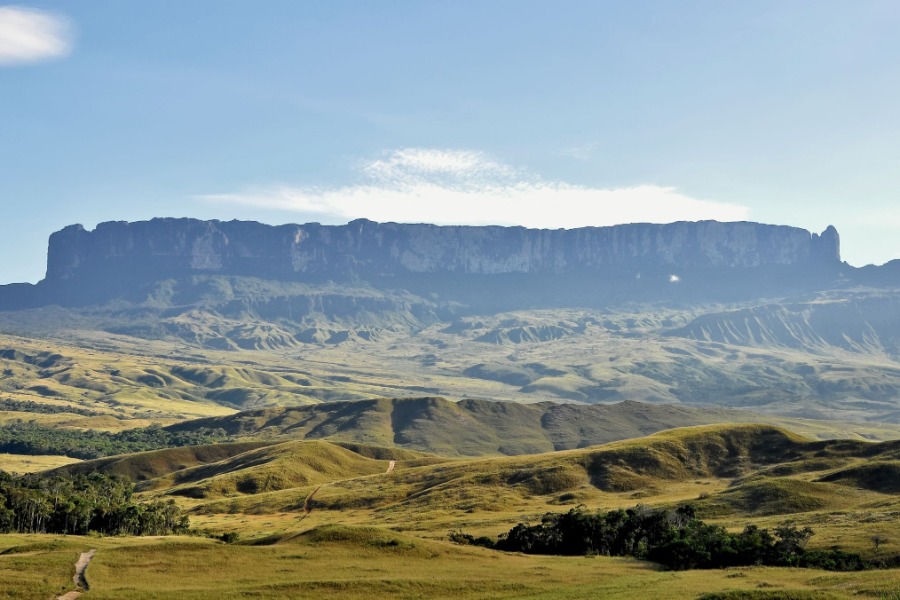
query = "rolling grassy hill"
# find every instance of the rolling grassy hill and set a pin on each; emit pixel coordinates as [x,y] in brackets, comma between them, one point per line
[730,471]
[364,563]
[143,466]
[825,356]
[733,474]
[326,519]
[480,427]
[464,428]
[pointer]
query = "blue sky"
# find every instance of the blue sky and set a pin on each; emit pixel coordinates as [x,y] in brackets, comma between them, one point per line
[544,114]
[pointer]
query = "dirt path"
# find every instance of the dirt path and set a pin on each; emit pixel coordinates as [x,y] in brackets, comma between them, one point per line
[80,580]
[307,504]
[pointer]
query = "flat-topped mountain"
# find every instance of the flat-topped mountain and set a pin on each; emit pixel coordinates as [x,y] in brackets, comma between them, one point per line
[487,268]
[171,247]
[733,314]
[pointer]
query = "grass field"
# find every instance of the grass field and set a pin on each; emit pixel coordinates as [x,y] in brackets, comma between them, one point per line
[372,534]
[367,562]
[531,356]
[28,463]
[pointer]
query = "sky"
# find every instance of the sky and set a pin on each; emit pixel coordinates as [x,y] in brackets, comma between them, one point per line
[544,114]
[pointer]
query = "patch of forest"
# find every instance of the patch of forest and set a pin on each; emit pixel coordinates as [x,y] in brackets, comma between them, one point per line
[83,504]
[675,538]
[29,406]
[27,437]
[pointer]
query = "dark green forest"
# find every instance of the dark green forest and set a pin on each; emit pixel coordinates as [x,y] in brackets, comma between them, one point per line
[82,504]
[674,538]
[26,437]
[28,406]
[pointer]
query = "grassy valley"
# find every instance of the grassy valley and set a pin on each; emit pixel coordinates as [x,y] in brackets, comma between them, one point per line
[823,357]
[330,439]
[327,519]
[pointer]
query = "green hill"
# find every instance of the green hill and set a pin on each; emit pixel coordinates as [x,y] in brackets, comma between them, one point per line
[143,466]
[340,508]
[743,455]
[478,427]
[465,428]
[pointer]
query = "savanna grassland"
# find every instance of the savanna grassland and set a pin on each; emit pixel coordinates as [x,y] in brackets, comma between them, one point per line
[329,465]
[318,519]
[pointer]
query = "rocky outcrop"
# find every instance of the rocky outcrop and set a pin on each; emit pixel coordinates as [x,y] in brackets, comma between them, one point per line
[175,247]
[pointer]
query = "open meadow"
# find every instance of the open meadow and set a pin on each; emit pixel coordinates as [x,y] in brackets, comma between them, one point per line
[314,519]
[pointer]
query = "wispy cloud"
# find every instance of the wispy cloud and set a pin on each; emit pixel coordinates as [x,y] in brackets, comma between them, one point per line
[469,187]
[579,152]
[461,166]
[29,35]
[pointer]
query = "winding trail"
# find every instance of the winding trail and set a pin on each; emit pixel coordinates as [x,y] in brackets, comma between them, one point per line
[307,508]
[79,578]
[307,504]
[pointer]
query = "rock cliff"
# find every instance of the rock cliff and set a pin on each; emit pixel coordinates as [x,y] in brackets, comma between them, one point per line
[445,268]
[364,249]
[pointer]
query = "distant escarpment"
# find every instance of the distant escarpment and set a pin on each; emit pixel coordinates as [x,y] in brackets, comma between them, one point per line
[481,267]
[864,324]
[167,247]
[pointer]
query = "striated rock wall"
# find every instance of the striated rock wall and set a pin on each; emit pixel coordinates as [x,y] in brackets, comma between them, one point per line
[178,247]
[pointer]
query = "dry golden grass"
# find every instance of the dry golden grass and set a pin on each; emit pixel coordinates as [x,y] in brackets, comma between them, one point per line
[368,563]
[600,356]
[734,474]
[376,535]
[32,463]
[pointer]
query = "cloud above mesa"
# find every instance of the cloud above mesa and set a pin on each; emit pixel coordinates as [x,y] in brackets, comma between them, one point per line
[467,187]
[28,35]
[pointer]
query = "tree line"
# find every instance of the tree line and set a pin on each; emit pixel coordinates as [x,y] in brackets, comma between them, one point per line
[675,538]
[28,437]
[82,504]
[29,406]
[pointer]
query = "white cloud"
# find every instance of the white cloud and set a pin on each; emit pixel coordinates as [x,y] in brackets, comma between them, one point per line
[581,152]
[29,35]
[423,163]
[468,187]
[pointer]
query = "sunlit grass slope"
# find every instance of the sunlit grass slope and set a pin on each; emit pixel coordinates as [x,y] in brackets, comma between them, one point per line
[732,473]
[790,365]
[326,520]
[25,463]
[366,563]
[142,466]
[247,468]
[468,427]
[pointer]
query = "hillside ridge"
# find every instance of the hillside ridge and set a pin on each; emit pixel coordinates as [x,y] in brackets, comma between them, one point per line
[468,427]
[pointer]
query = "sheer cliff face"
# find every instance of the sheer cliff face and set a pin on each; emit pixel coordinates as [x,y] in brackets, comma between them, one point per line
[178,247]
